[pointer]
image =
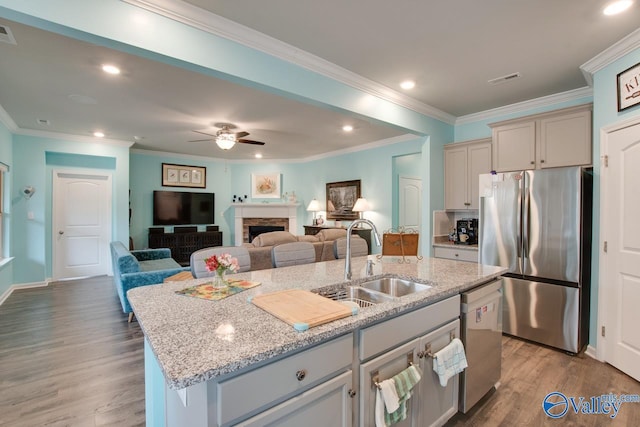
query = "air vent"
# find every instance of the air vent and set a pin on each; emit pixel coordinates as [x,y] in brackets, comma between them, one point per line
[44,122]
[6,36]
[504,79]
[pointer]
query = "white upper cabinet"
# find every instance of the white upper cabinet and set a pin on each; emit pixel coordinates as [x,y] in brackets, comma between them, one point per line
[548,140]
[463,162]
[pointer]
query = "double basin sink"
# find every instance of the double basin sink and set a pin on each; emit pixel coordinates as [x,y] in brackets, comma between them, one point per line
[377,291]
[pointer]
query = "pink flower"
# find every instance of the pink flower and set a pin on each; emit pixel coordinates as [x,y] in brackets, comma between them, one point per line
[222,263]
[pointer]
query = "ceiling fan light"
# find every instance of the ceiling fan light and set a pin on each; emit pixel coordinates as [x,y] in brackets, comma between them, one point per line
[226,140]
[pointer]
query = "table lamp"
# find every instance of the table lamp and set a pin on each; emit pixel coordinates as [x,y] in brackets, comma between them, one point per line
[314,206]
[361,206]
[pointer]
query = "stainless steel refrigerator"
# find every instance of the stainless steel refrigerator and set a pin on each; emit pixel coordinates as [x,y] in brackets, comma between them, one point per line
[538,224]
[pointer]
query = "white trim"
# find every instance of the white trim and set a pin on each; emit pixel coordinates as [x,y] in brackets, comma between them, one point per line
[214,24]
[591,352]
[520,107]
[6,120]
[610,55]
[74,138]
[15,287]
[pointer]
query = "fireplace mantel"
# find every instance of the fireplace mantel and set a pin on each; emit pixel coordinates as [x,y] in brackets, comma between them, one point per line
[263,210]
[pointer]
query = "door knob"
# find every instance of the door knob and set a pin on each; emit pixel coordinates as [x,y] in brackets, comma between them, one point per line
[61,232]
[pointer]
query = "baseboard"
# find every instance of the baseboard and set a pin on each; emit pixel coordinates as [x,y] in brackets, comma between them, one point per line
[14,287]
[591,352]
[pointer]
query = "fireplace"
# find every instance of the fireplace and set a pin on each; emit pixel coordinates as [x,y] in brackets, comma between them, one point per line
[263,214]
[256,230]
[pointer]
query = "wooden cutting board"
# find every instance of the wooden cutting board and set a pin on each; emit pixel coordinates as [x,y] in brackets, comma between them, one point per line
[302,309]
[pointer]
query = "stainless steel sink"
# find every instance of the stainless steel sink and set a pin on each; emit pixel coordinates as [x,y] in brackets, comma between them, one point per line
[361,296]
[394,286]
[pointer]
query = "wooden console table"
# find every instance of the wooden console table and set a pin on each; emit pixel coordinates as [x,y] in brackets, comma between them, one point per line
[365,233]
[183,244]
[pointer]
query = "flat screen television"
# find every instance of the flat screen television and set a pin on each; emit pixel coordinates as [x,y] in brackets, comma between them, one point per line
[182,207]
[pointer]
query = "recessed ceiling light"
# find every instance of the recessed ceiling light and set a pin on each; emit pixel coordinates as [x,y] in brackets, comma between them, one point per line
[110,69]
[347,128]
[617,6]
[258,156]
[408,84]
[98,134]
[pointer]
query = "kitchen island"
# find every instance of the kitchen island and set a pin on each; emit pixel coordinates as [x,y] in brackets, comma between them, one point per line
[196,349]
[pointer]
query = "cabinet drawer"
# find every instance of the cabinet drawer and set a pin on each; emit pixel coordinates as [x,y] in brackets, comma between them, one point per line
[378,338]
[248,392]
[456,254]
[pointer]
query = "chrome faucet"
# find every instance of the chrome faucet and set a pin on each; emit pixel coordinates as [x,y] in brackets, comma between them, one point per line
[347,258]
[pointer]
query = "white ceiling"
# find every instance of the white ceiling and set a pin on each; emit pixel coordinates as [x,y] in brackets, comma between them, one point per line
[450,48]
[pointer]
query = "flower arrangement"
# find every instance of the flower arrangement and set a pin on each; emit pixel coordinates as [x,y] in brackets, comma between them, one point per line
[222,264]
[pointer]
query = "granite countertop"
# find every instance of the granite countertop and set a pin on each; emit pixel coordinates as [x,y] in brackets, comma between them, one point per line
[196,340]
[444,242]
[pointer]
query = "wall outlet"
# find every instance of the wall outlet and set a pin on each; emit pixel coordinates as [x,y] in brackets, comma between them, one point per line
[30,215]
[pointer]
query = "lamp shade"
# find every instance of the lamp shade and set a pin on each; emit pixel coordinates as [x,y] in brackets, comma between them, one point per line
[314,206]
[361,205]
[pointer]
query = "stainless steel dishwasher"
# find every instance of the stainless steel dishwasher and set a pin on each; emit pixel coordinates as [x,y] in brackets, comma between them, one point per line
[481,315]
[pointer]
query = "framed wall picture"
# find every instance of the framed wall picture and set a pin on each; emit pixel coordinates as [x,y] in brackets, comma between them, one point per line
[628,83]
[341,196]
[184,176]
[265,186]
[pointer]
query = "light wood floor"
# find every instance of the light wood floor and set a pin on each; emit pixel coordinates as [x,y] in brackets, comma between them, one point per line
[68,357]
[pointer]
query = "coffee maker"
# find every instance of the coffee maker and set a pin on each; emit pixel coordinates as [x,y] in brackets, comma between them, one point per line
[467,231]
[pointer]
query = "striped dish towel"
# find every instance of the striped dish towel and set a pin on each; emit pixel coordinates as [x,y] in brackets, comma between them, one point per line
[392,407]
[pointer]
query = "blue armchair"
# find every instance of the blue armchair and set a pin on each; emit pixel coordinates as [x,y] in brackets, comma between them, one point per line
[140,268]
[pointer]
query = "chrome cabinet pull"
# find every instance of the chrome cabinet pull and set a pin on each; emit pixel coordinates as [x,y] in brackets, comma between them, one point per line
[301,374]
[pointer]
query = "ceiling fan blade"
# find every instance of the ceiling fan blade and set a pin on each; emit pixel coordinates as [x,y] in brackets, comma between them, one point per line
[200,140]
[241,134]
[248,141]
[204,133]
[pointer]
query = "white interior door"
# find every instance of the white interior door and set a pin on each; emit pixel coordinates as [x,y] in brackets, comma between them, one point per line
[619,290]
[410,202]
[81,224]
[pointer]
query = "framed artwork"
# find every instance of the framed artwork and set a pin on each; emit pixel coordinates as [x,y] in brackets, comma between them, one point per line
[265,186]
[341,196]
[184,176]
[628,83]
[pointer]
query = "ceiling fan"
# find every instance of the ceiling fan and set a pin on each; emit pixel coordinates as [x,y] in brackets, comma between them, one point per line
[226,138]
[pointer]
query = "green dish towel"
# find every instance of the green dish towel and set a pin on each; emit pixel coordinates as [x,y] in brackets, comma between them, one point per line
[403,382]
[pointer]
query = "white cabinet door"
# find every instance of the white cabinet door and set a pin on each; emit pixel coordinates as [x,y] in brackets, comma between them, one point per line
[565,140]
[328,404]
[437,404]
[455,178]
[478,162]
[514,146]
[463,163]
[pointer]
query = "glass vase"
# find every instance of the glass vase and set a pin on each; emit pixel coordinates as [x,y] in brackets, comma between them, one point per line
[220,279]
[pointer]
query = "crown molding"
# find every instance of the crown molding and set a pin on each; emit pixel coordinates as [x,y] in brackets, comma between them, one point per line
[610,55]
[73,138]
[217,25]
[6,120]
[520,107]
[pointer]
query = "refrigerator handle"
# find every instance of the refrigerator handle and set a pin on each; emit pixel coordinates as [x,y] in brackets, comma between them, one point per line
[526,217]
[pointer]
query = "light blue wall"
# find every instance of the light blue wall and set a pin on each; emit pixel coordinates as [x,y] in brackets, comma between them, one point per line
[605,113]
[32,249]
[6,157]
[146,176]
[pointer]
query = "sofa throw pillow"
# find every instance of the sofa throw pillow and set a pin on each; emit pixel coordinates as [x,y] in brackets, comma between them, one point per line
[331,234]
[307,238]
[273,238]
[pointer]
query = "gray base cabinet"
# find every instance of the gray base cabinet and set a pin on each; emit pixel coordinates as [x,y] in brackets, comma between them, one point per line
[328,404]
